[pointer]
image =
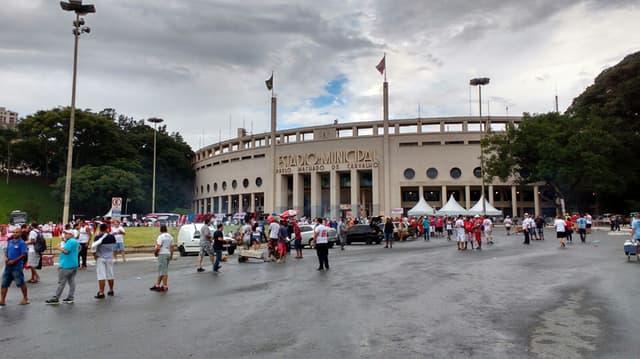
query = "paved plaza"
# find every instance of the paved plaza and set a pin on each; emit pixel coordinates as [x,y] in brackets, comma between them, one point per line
[417,300]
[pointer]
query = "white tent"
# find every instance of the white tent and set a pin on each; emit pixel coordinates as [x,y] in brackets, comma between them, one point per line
[489,209]
[422,208]
[452,208]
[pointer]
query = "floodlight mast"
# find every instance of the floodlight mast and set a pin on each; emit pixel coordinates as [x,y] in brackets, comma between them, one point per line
[481,81]
[78,28]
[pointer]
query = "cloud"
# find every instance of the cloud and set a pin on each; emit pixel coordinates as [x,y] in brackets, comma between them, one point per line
[200,63]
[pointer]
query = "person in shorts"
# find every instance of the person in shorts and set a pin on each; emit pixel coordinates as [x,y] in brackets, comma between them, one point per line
[297,243]
[34,259]
[461,237]
[102,249]
[487,225]
[15,255]
[283,237]
[117,230]
[561,227]
[164,252]
[206,245]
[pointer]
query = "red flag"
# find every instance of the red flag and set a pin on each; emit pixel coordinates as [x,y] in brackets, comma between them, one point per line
[381,66]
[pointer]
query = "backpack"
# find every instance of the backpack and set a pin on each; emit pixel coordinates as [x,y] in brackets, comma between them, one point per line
[41,244]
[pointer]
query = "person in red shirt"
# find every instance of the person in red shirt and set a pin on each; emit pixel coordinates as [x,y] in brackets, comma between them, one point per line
[569,229]
[477,230]
[439,227]
[468,228]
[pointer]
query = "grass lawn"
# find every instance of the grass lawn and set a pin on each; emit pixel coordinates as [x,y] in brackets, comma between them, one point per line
[29,194]
[144,236]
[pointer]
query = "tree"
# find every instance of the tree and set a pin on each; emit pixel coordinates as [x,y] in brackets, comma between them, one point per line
[94,186]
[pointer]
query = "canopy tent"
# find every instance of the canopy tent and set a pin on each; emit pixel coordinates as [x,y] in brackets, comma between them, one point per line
[489,209]
[452,208]
[422,208]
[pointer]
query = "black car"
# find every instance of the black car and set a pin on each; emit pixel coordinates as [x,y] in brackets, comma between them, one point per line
[364,233]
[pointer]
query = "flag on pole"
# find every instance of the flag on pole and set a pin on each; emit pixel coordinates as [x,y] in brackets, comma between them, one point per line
[269,82]
[381,65]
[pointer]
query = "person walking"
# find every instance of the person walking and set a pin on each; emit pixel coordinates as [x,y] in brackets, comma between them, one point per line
[117,230]
[460,235]
[321,242]
[83,240]
[569,230]
[68,268]
[425,225]
[283,238]
[582,228]
[102,249]
[560,226]
[527,226]
[34,258]
[342,233]
[14,257]
[487,224]
[297,242]
[206,244]
[589,222]
[388,233]
[218,243]
[507,225]
[477,230]
[539,221]
[274,229]
[164,252]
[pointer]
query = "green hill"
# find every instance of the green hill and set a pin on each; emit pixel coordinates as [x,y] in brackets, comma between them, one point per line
[29,194]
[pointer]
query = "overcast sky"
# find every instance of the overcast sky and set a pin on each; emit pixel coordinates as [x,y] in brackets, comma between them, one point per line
[201,64]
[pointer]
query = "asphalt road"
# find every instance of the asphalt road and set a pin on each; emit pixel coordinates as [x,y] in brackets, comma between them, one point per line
[417,300]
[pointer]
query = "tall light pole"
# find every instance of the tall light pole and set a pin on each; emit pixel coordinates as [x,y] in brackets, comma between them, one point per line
[78,28]
[480,81]
[155,122]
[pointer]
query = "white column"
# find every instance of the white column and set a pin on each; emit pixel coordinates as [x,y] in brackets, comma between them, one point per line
[375,196]
[467,197]
[252,205]
[536,200]
[444,195]
[491,195]
[514,201]
[298,192]
[355,193]
[315,194]
[334,193]
[230,204]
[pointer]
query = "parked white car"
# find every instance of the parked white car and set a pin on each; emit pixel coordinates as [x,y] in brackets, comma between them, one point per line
[189,239]
[306,231]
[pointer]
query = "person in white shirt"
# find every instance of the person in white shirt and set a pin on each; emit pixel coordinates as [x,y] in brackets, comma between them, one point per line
[527,226]
[83,239]
[164,252]
[321,241]
[507,225]
[460,235]
[274,229]
[117,230]
[561,227]
[589,222]
[488,229]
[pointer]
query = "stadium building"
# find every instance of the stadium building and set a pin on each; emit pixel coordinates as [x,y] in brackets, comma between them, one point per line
[363,168]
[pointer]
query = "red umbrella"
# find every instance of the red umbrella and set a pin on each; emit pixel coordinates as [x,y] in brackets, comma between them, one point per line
[288,213]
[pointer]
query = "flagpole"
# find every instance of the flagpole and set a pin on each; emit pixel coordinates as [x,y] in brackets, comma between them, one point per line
[385,67]
[272,95]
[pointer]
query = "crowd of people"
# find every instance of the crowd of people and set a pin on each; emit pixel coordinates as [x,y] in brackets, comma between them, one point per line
[25,251]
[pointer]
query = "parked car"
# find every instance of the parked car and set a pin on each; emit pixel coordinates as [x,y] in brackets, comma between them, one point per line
[189,240]
[306,231]
[364,233]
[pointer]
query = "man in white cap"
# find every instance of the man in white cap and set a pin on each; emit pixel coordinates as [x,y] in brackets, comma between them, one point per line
[68,267]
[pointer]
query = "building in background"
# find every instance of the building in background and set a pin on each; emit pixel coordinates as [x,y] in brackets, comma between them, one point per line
[8,118]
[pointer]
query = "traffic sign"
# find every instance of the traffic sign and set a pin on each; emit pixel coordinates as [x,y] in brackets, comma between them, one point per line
[116,203]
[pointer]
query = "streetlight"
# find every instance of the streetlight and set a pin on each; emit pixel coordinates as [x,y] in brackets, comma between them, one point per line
[480,81]
[155,122]
[78,28]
